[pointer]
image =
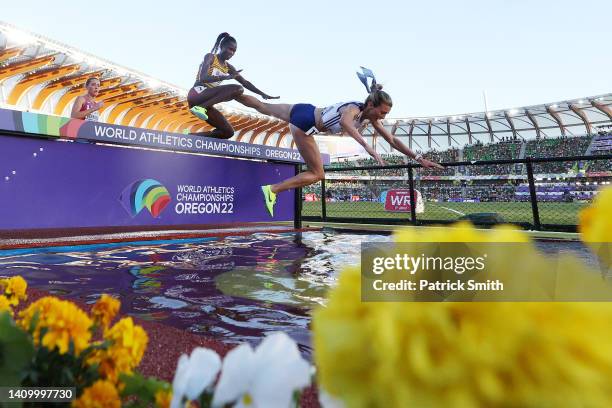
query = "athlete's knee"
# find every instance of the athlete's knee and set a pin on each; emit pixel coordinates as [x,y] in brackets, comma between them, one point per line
[318,175]
[238,90]
[226,133]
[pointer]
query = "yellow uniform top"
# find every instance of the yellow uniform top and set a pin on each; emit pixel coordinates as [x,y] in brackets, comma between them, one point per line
[217,68]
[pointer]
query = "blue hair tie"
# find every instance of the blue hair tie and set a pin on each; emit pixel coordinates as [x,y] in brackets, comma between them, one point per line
[363,77]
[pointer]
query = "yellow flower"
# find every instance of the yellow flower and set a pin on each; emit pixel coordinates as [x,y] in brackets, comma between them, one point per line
[105,309]
[102,394]
[14,289]
[595,220]
[595,225]
[163,398]
[5,305]
[128,344]
[64,322]
[481,354]
[461,232]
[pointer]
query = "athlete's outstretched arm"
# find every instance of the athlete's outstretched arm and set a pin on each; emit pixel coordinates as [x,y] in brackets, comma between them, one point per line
[346,121]
[402,148]
[247,84]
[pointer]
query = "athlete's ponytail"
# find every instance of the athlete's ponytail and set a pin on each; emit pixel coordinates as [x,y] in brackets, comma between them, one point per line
[222,39]
[377,96]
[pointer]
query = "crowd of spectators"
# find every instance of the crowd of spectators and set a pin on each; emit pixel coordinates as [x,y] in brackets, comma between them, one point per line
[601,145]
[557,147]
[500,192]
[503,150]
[507,148]
[390,159]
[570,191]
[340,190]
[445,156]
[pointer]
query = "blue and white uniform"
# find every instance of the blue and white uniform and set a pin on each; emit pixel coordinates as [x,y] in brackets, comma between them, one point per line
[331,115]
[302,116]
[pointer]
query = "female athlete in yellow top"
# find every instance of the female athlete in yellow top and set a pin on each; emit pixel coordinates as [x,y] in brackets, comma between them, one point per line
[208,90]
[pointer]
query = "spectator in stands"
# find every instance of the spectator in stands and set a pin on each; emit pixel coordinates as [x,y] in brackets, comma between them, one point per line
[447,156]
[557,147]
[86,107]
[349,117]
[505,149]
[208,90]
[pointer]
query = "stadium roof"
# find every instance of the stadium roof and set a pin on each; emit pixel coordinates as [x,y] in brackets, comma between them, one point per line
[566,118]
[41,75]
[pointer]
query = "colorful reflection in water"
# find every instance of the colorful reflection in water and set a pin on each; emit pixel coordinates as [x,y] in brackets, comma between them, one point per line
[234,289]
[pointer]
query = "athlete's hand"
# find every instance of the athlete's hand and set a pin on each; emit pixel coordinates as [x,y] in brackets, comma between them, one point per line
[428,164]
[265,96]
[234,74]
[379,160]
[98,105]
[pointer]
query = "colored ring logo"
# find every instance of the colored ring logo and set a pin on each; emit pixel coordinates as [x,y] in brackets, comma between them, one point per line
[147,193]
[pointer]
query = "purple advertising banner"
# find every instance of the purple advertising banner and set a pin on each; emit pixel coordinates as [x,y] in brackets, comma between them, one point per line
[56,126]
[57,184]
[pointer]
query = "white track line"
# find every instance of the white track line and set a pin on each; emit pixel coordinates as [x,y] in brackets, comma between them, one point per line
[451,210]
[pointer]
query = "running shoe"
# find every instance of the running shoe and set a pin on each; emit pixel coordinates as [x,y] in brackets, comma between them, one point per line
[269,198]
[200,112]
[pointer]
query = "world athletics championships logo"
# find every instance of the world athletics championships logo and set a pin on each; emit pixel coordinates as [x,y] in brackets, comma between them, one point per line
[145,193]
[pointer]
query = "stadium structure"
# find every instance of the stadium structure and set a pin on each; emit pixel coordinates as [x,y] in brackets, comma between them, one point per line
[41,75]
[44,76]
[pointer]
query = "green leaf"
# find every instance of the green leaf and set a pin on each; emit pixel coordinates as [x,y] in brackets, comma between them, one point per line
[16,352]
[34,321]
[71,347]
[206,400]
[143,388]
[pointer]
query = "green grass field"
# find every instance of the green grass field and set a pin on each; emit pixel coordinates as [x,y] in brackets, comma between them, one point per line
[550,213]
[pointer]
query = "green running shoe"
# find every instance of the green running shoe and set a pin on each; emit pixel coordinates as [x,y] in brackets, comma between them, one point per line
[200,112]
[269,199]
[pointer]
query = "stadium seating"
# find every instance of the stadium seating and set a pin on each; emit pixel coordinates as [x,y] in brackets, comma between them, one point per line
[557,147]
[493,151]
[446,156]
[602,144]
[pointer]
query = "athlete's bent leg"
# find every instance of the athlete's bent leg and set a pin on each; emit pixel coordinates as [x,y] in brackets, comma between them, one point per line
[310,153]
[223,129]
[210,96]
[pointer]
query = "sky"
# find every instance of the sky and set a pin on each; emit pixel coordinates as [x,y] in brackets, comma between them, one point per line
[434,58]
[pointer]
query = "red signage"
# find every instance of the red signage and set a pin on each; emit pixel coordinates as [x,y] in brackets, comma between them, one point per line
[599,173]
[399,200]
[311,197]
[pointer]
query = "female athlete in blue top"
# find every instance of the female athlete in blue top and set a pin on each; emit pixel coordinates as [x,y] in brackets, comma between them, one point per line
[349,117]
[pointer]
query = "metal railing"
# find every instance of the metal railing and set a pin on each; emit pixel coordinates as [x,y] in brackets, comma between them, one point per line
[535,193]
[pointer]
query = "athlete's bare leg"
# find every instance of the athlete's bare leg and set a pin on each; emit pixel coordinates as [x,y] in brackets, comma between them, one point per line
[310,152]
[280,111]
[223,129]
[210,96]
